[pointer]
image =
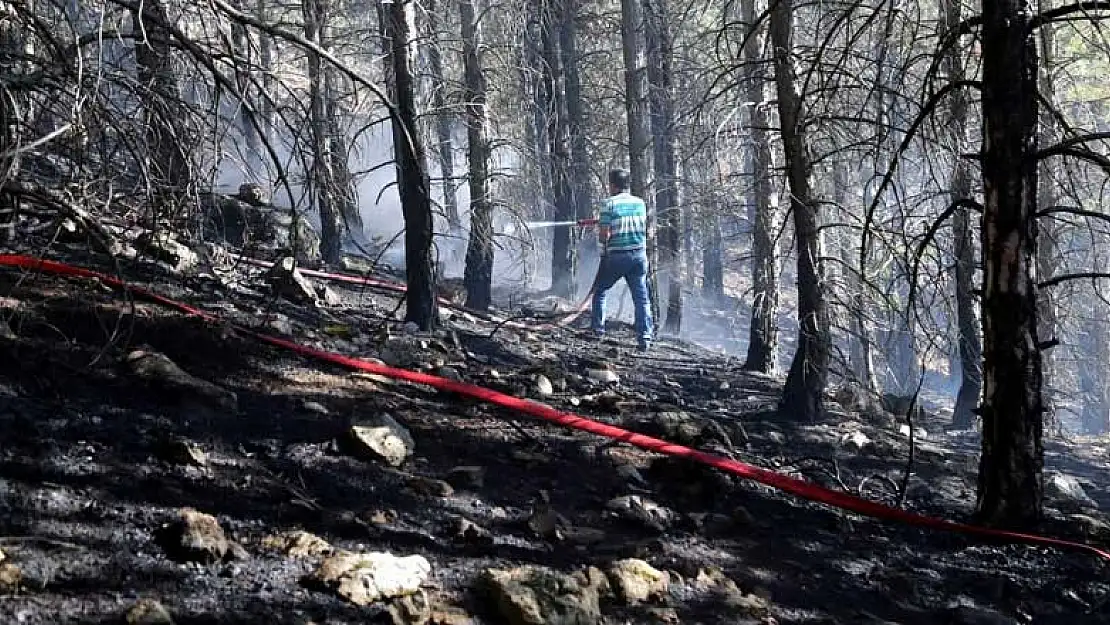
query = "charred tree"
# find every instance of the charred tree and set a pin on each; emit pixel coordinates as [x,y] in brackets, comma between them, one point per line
[443,118]
[861,361]
[244,61]
[324,180]
[1049,232]
[1010,468]
[970,342]
[12,33]
[166,160]
[478,275]
[558,135]
[412,171]
[803,393]
[660,52]
[634,52]
[763,333]
[576,114]
[713,266]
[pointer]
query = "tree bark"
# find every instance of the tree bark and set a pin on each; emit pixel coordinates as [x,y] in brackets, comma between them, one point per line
[558,134]
[166,158]
[576,114]
[443,119]
[478,275]
[969,341]
[1048,255]
[636,113]
[1010,482]
[322,175]
[803,394]
[1092,375]
[861,362]
[412,172]
[713,266]
[763,331]
[660,48]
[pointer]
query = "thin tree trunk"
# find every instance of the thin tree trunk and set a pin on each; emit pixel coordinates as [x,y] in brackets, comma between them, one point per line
[803,393]
[763,331]
[576,114]
[443,118]
[861,361]
[322,173]
[713,267]
[478,275]
[266,62]
[166,158]
[413,185]
[1048,256]
[1010,480]
[970,340]
[1092,376]
[660,45]
[636,113]
[558,134]
[244,62]
[343,190]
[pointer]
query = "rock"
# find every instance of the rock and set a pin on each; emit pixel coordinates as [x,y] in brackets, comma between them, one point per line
[413,609]
[583,535]
[317,407]
[777,438]
[383,439]
[280,324]
[253,194]
[605,376]
[664,616]
[195,537]
[298,544]
[642,510]
[287,281]
[11,576]
[1092,527]
[674,426]
[919,434]
[747,604]
[856,439]
[148,612]
[467,477]
[467,531]
[158,370]
[635,581]
[181,451]
[164,247]
[449,373]
[970,615]
[450,616]
[536,595]
[1066,489]
[542,386]
[251,219]
[364,578]
[429,486]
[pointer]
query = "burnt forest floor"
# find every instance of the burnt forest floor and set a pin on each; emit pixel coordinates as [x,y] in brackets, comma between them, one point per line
[86,482]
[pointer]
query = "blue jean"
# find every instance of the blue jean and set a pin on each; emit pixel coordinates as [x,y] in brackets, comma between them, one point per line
[631,265]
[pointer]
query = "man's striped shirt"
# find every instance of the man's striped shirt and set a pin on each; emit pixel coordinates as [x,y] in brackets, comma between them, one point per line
[626,216]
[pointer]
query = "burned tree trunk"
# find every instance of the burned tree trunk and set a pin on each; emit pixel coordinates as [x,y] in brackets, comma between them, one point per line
[970,342]
[713,266]
[636,113]
[861,362]
[803,394]
[558,135]
[165,158]
[660,46]
[11,49]
[576,115]
[1010,480]
[322,174]
[443,118]
[763,333]
[244,62]
[412,172]
[478,275]
[1048,254]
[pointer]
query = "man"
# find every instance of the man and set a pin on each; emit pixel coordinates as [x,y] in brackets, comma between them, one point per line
[622,234]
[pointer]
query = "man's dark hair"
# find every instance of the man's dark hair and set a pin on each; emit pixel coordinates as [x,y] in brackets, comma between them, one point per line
[619,179]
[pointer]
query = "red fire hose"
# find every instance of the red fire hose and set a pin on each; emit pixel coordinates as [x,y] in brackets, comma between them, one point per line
[784,483]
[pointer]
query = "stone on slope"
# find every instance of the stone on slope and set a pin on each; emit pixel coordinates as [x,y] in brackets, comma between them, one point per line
[158,370]
[164,247]
[542,386]
[287,281]
[382,438]
[536,595]
[148,612]
[643,511]
[635,581]
[1066,489]
[365,578]
[298,544]
[467,477]
[195,537]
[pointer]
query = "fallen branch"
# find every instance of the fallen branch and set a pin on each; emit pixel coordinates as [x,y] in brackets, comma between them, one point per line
[54,199]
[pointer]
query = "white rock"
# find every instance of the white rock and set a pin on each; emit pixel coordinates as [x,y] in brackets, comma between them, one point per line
[543,386]
[384,439]
[1061,486]
[856,439]
[605,376]
[365,578]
